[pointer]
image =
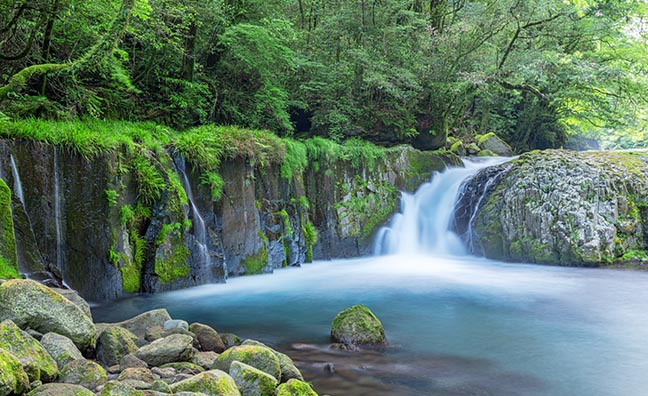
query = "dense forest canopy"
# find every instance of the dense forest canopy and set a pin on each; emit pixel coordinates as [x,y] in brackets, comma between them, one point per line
[389,71]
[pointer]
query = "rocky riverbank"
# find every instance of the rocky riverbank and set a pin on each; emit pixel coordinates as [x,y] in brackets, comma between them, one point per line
[560,207]
[49,346]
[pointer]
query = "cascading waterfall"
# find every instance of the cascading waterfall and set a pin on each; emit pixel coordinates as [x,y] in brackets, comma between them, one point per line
[422,225]
[199,228]
[18,190]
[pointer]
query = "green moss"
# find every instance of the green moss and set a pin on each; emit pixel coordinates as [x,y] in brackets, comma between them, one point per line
[295,387]
[260,357]
[480,139]
[486,153]
[357,325]
[310,237]
[634,254]
[174,265]
[8,254]
[255,263]
[130,278]
[456,146]
[13,379]
[126,216]
[111,197]
[295,160]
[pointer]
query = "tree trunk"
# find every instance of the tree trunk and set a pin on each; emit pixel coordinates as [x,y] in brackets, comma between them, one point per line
[47,43]
[189,56]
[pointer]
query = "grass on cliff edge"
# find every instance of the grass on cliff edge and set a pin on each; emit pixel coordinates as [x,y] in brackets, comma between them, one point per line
[205,147]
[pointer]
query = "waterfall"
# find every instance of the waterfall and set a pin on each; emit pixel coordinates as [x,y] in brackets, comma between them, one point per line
[422,225]
[18,190]
[199,228]
[57,210]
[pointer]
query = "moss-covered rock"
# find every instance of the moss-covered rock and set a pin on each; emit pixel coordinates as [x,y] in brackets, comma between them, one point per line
[213,382]
[184,367]
[30,304]
[560,207]
[36,362]
[251,381]
[288,368]
[139,324]
[55,389]
[207,337]
[295,388]
[85,373]
[259,357]
[357,325]
[8,253]
[174,348]
[113,344]
[137,374]
[61,348]
[490,142]
[13,379]
[115,388]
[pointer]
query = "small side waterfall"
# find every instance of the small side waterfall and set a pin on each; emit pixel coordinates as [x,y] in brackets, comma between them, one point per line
[422,226]
[57,211]
[18,190]
[199,228]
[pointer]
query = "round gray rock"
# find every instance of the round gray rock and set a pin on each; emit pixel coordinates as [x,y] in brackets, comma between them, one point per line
[174,348]
[55,389]
[85,373]
[61,348]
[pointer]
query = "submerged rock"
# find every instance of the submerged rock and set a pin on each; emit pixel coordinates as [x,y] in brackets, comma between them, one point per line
[35,360]
[357,325]
[30,304]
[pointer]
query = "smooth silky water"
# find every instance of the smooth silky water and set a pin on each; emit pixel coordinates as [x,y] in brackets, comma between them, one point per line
[456,324]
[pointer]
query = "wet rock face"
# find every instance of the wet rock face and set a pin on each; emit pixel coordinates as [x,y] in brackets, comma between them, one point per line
[558,207]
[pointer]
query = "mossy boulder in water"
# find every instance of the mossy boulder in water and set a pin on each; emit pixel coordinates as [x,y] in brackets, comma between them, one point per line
[357,325]
[259,357]
[36,362]
[13,379]
[252,381]
[295,388]
[30,304]
[213,382]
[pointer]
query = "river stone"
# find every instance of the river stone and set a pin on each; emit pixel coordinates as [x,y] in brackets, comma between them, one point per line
[30,304]
[61,348]
[208,338]
[35,360]
[213,382]
[160,386]
[259,357]
[138,374]
[184,368]
[205,359]
[230,340]
[74,297]
[55,389]
[13,379]
[251,381]
[131,361]
[288,368]
[140,323]
[295,388]
[491,142]
[157,332]
[115,388]
[176,324]
[357,325]
[174,348]
[85,373]
[113,344]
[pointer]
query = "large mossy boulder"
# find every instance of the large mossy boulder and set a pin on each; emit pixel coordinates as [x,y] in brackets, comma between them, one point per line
[35,360]
[259,357]
[288,368]
[113,344]
[61,348]
[213,382]
[8,254]
[85,373]
[115,388]
[174,348]
[295,388]
[55,389]
[30,304]
[13,379]
[491,143]
[252,381]
[357,325]
[139,324]
[558,207]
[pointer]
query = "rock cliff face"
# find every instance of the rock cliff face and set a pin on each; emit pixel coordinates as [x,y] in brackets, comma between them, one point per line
[85,220]
[559,207]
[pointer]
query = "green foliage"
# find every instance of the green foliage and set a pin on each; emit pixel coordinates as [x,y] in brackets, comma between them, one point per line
[111,197]
[295,161]
[7,271]
[310,236]
[8,253]
[150,182]
[215,182]
[255,263]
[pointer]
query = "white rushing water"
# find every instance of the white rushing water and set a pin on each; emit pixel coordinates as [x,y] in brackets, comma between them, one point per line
[18,190]
[422,224]
[199,228]
[57,211]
